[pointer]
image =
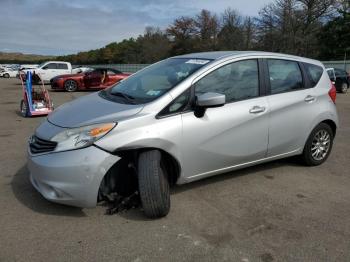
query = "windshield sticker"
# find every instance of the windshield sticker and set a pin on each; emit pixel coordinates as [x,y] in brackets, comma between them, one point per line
[153,92]
[197,61]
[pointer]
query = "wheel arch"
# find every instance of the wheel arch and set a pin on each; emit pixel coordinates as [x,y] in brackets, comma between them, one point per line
[128,159]
[172,163]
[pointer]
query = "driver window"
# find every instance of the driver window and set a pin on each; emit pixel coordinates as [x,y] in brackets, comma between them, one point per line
[238,81]
[50,66]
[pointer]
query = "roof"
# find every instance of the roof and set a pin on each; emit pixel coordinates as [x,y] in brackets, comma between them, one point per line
[216,55]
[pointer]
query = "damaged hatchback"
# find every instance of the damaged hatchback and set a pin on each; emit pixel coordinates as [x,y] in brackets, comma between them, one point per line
[180,120]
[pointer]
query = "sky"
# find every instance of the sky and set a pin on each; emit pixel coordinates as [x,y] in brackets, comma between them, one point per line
[57,27]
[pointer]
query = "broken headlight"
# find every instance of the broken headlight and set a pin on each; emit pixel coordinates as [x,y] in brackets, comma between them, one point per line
[85,136]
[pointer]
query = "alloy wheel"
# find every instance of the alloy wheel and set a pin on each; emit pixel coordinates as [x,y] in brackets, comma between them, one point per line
[320,145]
[344,88]
[70,85]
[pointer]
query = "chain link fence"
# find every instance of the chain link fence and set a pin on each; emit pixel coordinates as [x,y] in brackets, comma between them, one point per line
[345,65]
[125,68]
[132,68]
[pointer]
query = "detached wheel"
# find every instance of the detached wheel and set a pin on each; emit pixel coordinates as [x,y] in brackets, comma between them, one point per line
[344,88]
[318,146]
[70,85]
[153,184]
[6,75]
[24,108]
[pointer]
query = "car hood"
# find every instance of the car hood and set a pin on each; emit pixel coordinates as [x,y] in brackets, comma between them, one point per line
[91,109]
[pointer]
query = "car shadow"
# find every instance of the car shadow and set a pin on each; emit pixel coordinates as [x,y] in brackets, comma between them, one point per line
[291,161]
[29,197]
[137,214]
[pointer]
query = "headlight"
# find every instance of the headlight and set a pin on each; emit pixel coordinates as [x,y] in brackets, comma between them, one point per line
[85,136]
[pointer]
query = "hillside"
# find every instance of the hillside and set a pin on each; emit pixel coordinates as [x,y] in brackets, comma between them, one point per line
[22,58]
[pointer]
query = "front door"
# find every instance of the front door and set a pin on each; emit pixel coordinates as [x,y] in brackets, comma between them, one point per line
[231,135]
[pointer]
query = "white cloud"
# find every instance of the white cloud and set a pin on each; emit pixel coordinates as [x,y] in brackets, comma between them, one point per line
[61,27]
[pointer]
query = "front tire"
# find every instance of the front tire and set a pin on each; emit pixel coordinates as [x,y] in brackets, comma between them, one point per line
[153,184]
[344,88]
[70,85]
[6,75]
[318,146]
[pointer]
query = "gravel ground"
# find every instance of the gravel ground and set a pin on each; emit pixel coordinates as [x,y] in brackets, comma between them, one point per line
[280,211]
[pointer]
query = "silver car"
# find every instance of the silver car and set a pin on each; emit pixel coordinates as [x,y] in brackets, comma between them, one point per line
[180,120]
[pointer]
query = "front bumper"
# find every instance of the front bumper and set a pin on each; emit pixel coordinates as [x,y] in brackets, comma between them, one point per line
[71,177]
[56,83]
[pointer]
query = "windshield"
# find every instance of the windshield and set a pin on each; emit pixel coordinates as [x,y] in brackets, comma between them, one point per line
[39,66]
[155,80]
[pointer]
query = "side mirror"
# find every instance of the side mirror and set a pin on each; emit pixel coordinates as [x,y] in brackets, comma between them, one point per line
[208,100]
[45,67]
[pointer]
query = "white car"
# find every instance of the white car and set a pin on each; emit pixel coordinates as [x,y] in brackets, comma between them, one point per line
[48,70]
[7,73]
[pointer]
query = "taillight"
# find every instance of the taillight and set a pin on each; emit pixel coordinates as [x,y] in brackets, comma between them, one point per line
[332,93]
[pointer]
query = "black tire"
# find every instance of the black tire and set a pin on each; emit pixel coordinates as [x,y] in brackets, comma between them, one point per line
[309,150]
[344,88]
[70,85]
[24,108]
[6,75]
[153,184]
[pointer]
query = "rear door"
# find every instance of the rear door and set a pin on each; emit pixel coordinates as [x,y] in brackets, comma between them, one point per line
[233,134]
[292,103]
[62,69]
[48,71]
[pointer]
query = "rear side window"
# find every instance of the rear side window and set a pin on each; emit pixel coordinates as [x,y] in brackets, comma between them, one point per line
[285,76]
[314,73]
[62,66]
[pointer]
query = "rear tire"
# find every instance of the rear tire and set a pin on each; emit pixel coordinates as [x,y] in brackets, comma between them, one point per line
[318,146]
[24,108]
[153,184]
[6,75]
[344,88]
[70,85]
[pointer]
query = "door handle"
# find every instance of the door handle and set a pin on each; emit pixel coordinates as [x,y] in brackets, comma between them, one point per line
[257,109]
[309,98]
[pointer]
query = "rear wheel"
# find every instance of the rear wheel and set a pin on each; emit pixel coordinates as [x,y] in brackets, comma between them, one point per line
[6,75]
[318,146]
[344,88]
[24,108]
[70,85]
[153,184]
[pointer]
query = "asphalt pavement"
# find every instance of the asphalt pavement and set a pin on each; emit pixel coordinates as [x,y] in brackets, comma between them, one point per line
[279,211]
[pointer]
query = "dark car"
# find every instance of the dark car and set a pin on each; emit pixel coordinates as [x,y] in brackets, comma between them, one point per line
[340,78]
[98,78]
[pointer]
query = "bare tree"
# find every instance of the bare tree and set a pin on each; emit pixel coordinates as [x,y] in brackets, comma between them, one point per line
[208,27]
[231,33]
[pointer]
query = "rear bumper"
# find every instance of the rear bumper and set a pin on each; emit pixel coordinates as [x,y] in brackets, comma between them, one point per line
[70,177]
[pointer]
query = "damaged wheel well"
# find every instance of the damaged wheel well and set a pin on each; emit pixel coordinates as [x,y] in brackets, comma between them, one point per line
[121,178]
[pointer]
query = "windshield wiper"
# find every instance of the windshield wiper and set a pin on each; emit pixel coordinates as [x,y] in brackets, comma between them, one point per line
[129,98]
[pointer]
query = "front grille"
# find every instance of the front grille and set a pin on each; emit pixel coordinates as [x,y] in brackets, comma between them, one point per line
[38,145]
